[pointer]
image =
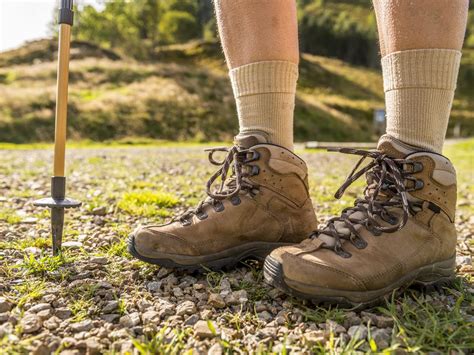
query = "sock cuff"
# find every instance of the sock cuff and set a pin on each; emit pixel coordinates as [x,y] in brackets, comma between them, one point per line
[264,77]
[421,68]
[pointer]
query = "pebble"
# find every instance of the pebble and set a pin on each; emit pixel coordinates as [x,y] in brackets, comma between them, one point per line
[4,317]
[154,286]
[100,260]
[358,332]
[110,307]
[202,330]
[381,337]
[265,316]
[316,338]
[99,211]
[30,323]
[72,245]
[130,320]
[5,305]
[150,316]
[216,300]
[191,320]
[39,307]
[63,313]
[110,318]
[463,260]
[215,349]
[187,307]
[83,326]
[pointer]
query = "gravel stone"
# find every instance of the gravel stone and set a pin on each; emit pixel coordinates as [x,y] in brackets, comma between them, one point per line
[201,330]
[30,323]
[381,337]
[216,300]
[63,313]
[110,307]
[83,326]
[316,338]
[39,307]
[99,211]
[215,349]
[154,286]
[358,332]
[130,320]
[187,307]
[150,317]
[99,260]
[5,305]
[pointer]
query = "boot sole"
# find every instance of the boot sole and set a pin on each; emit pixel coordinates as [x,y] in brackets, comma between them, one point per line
[225,259]
[437,274]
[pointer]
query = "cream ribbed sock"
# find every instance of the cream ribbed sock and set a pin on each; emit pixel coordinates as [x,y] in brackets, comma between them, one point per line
[265,97]
[419,89]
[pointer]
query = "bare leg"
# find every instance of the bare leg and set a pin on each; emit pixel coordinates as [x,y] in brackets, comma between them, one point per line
[260,42]
[257,30]
[420,42]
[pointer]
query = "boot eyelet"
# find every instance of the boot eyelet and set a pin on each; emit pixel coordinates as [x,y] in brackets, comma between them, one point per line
[219,207]
[202,215]
[344,254]
[185,222]
[255,170]
[254,156]
[419,184]
[417,167]
[360,243]
[235,200]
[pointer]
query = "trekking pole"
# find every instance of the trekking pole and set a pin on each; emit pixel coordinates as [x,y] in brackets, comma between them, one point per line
[58,201]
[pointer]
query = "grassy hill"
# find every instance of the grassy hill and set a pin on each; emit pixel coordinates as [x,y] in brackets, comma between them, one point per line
[183,94]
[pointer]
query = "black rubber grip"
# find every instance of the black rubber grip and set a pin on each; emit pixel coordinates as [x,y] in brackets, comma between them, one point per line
[58,187]
[67,4]
[66,16]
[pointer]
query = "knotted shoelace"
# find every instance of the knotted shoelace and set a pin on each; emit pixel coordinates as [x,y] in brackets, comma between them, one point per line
[235,162]
[385,192]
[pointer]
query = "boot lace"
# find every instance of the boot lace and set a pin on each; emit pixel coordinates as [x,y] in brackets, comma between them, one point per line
[236,162]
[388,182]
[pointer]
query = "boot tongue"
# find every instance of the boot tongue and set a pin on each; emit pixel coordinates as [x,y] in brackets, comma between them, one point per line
[394,148]
[245,141]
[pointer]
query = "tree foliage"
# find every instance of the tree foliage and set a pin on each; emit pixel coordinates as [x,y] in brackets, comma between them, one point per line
[345,29]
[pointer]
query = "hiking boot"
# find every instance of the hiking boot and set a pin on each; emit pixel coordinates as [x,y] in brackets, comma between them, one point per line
[263,204]
[400,232]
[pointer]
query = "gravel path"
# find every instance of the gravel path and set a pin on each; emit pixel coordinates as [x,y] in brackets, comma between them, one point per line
[96,299]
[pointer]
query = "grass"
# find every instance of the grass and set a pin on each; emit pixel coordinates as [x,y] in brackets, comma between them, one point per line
[426,325]
[186,96]
[9,216]
[147,203]
[165,341]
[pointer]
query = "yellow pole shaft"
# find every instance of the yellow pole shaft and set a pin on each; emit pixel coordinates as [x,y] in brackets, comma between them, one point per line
[61,99]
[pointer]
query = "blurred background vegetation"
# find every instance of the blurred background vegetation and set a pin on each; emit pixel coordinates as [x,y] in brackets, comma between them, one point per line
[154,69]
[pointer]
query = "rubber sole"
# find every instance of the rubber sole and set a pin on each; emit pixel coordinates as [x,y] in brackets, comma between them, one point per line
[437,274]
[217,261]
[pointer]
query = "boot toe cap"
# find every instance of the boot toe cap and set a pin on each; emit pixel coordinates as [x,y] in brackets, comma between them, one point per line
[153,243]
[310,272]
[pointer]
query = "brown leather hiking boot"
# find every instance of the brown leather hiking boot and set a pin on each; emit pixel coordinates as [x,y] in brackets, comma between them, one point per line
[264,204]
[401,232]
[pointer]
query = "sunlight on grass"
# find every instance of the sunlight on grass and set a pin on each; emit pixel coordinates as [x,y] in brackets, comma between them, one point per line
[147,203]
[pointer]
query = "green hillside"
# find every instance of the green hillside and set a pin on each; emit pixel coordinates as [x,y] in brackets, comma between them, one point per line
[184,94]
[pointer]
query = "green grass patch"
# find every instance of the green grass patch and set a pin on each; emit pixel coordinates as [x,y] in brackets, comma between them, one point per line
[43,265]
[147,203]
[9,216]
[163,342]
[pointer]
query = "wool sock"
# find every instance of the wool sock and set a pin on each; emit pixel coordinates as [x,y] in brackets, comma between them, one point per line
[265,98]
[419,89]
